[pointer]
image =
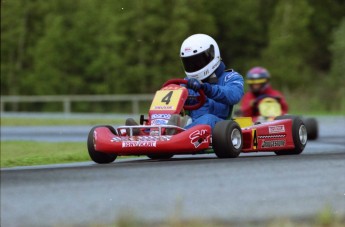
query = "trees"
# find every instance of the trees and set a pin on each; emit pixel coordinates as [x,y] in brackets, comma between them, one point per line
[286,53]
[241,30]
[337,49]
[87,46]
[105,47]
[338,52]
[151,52]
[20,29]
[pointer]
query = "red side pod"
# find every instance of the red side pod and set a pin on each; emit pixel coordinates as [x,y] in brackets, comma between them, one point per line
[270,136]
[190,141]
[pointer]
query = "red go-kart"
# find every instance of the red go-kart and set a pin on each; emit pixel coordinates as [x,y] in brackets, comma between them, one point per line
[269,108]
[285,135]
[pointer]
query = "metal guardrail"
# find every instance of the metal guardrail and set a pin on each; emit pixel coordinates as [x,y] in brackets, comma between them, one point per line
[66,100]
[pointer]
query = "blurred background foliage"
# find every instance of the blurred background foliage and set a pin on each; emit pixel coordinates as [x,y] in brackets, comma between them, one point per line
[132,46]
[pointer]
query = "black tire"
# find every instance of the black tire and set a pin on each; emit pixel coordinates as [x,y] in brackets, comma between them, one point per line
[312,128]
[227,139]
[299,135]
[160,156]
[97,156]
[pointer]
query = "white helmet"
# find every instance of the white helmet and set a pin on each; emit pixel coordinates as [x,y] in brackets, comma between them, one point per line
[200,56]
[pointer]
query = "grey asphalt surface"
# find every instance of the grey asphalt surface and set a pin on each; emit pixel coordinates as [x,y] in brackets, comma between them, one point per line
[251,187]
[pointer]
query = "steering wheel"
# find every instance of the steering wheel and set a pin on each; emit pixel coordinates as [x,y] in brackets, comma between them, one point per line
[201,99]
[261,97]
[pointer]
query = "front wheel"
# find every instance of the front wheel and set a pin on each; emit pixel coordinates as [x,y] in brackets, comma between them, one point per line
[227,140]
[97,156]
[299,135]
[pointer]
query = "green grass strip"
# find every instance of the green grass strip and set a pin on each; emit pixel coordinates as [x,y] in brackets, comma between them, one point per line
[57,121]
[28,153]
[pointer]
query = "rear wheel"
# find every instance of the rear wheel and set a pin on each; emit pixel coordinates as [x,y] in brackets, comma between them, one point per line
[299,135]
[160,156]
[97,156]
[312,128]
[227,139]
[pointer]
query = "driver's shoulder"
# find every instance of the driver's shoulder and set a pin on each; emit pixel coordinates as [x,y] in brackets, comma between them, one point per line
[229,70]
[230,76]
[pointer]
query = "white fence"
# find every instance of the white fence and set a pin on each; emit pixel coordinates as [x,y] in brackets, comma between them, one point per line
[67,100]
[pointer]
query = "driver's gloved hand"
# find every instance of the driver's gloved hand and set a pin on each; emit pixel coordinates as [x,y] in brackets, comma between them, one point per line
[207,89]
[191,100]
[194,84]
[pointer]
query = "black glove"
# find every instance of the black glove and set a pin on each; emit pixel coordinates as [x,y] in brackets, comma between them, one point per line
[194,84]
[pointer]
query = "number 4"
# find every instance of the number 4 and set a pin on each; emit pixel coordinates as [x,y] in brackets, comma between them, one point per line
[255,139]
[167,98]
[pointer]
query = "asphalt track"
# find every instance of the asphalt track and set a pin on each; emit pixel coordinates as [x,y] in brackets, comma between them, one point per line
[249,188]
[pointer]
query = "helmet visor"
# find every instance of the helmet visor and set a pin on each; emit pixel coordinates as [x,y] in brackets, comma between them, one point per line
[198,61]
[257,81]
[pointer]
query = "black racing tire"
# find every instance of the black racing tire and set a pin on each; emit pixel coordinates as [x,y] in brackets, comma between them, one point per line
[312,128]
[299,135]
[227,139]
[160,156]
[97,156]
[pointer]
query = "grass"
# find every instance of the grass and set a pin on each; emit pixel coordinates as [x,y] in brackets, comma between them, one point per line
[324,218]
[28,153]
[8,121]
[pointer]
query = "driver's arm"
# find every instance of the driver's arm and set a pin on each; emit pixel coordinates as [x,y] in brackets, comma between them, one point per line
[230,92]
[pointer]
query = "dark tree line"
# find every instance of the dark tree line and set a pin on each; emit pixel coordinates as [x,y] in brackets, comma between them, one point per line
[116,47]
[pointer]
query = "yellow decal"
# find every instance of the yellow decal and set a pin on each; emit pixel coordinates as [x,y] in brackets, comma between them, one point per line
[244,122]
[255,139]
[166,100]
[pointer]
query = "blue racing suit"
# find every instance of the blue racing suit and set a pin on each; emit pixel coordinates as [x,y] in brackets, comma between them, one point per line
[221,97]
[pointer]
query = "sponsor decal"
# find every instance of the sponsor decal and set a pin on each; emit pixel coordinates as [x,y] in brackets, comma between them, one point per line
[136,139]
[163,107]
[276,129]
[198,137]
[273,143]
[139,144]
[187,49]
[116,139]
[159,122]
[154,138]
[160,116]
[271,136]
[216,65]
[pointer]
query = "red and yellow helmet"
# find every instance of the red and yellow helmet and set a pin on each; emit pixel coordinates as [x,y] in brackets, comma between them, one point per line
[257,75]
